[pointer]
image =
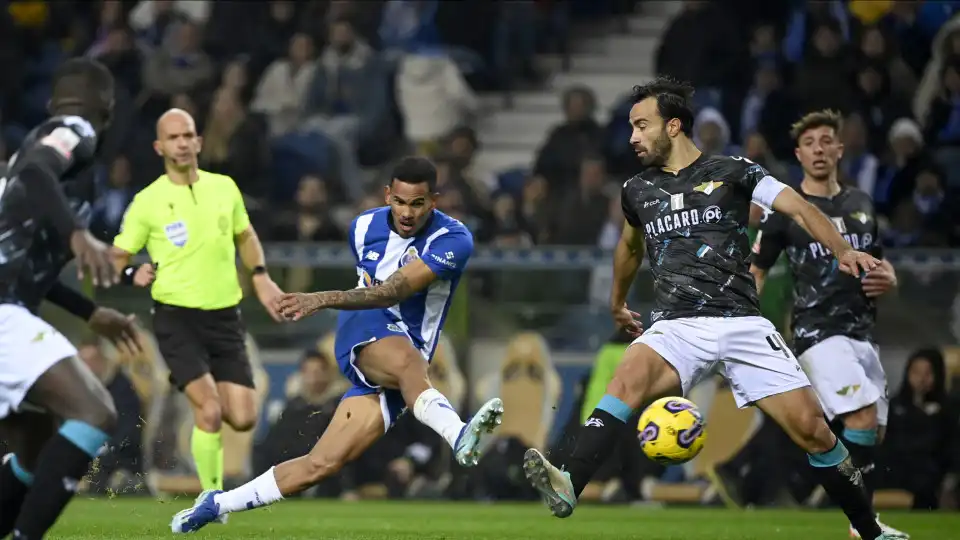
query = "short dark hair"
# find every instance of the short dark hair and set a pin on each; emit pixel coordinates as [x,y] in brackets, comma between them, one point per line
[313,355]
[673,97]
[814,120]
[83,80]
[415,170]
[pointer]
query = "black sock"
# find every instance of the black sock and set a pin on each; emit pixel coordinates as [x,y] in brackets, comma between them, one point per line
[597,440]
[63,461]
[861,444]
[844,484]
[14,485]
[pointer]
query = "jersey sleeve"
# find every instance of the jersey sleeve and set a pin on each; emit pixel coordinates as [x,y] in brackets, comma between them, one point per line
[73,142]
[134,229]
[241,220]
[629,213]
[763,187]
[770,241]
[448,254]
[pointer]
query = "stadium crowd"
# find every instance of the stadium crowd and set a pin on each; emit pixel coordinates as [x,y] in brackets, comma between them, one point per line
[305,104]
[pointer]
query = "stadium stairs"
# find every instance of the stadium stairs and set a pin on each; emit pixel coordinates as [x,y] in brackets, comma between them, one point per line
[610,61]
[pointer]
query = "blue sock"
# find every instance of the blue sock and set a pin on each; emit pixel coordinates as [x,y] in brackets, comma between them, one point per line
[863,437]
[19,472]
[616,408]
[84,436]
[830,458]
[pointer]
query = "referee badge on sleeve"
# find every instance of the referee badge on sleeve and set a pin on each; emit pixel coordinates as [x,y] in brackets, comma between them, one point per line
[176,232]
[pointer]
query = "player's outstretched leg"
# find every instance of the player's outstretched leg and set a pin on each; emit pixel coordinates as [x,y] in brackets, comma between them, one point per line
[356,424]
[25,434]
[68,390]
[799,413]
[393,362]
[642,375]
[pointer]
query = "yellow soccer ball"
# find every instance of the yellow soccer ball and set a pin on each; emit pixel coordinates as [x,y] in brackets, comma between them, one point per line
[672,431]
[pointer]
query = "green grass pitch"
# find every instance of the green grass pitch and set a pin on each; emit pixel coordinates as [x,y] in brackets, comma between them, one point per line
[291,520]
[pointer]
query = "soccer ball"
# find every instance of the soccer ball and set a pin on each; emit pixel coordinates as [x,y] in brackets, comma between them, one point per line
[671,431]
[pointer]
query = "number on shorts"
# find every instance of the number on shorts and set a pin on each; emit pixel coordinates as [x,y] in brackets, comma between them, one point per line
[776,342]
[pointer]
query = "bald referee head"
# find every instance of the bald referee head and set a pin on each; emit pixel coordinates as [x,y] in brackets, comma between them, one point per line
[83,87]
[177,141]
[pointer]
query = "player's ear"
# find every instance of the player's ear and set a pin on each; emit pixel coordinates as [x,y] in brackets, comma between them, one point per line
[386,194]
[796,153]
[673,127]
[199,143]
[840,151]
[156,148]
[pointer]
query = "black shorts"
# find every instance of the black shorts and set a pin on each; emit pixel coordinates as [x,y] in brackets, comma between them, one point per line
[194,342]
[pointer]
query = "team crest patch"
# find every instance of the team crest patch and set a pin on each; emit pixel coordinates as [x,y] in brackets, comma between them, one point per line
[409,256]
[176,232]
[708,187]
[394,328]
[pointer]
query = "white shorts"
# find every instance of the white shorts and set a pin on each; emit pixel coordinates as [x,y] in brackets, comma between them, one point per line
[847,375]
[749,350]
[28,348]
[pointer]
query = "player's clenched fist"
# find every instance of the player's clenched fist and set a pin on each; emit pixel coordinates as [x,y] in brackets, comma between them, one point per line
[856,262]
[295,306]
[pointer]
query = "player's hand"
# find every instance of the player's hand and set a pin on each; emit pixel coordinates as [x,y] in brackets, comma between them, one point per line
[856,263]
[268,293]
[295,306]
[120,329]
[628,320]
[93,258]
[880,281]
[144,275]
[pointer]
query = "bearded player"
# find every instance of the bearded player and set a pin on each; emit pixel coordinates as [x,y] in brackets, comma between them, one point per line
[833,313]
[410,257]
[690,212]
[55,413]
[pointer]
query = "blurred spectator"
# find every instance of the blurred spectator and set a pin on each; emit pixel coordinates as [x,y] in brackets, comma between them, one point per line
[276,33]
[805,22]
[461,148]
[282,91]
[903,23]
[310,220]
[236,78]
[946,46]
[408,25]
[118,469]
[180,66]
[120,55]
[943,122]
[756,149]
[764,49]
[588,203]
[111,18]
[877,106]
[859,165]
[186,103]
[506,226]
[917,452]
[112,201]
[874,47]
[766,81]
[535,212]
[234,144]
[820,81]
[433,98]
[560,156]
[907,156]
[346,99]
[700,46]
[153,19]
[711,133]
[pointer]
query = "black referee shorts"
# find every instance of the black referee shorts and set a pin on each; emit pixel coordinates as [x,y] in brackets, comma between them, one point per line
[195,342]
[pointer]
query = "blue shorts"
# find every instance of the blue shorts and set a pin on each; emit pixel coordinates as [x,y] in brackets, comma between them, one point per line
[355,330]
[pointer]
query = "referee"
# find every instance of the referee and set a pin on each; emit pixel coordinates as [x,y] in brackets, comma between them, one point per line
[193,223]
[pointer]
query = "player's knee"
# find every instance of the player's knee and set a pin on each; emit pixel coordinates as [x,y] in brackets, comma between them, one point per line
[243,421]
[101,414]
[209,416]
[813,432]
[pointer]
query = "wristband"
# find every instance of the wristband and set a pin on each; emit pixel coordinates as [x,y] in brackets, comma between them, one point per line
[71,301]
[126,275]
[259,270]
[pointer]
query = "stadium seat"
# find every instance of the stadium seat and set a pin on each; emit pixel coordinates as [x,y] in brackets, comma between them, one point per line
[529,386]
[892,499]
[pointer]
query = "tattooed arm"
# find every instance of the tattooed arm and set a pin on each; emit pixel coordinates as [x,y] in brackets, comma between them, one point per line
[403,284]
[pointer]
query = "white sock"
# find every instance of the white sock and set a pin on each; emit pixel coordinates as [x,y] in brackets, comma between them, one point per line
[433,410]
[261,491]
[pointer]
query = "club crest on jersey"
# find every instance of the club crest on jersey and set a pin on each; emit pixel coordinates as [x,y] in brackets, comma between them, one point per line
[177,233]
[409,256]
[862,217]
[708,187]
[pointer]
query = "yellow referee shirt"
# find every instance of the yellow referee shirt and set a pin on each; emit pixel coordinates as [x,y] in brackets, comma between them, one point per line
[189,233]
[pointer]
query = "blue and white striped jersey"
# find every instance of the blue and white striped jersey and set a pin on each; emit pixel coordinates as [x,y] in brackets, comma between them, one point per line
[444,244]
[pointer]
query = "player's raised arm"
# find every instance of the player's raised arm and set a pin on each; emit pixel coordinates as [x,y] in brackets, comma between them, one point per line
[444,260]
